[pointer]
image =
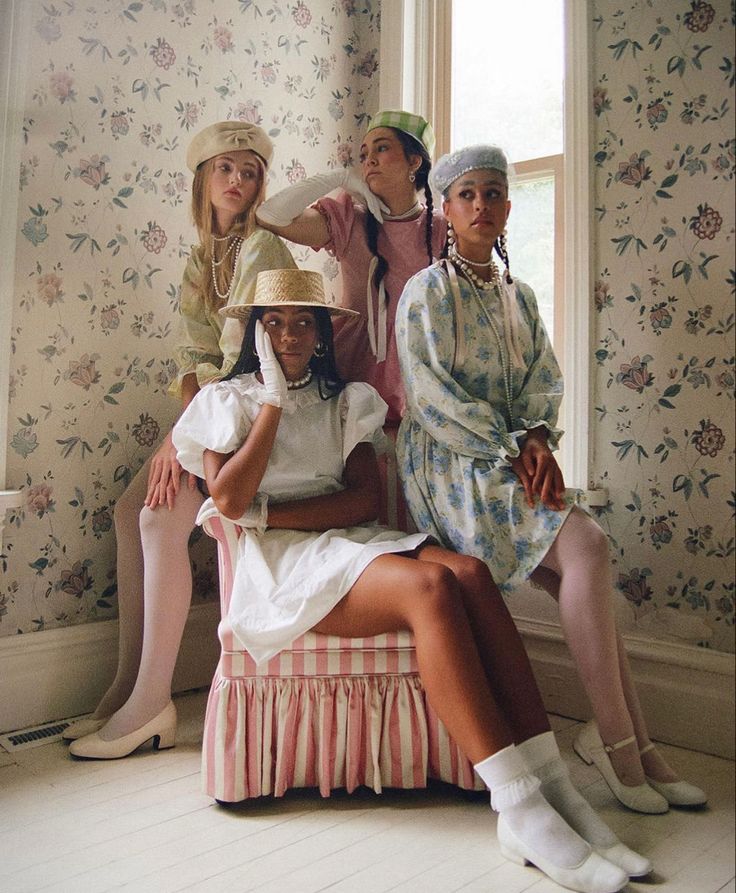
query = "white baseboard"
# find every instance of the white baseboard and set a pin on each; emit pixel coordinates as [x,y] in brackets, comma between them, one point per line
[687,693]
[60,673]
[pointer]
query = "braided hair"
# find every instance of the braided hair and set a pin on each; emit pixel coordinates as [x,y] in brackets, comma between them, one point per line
[324,366]
[410,146]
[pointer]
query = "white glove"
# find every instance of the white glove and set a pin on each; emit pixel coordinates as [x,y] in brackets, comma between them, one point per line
[285,206]
[255,517]
[274,380]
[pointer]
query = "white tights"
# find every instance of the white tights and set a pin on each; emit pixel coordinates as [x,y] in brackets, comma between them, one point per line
[577,572]
[154,594]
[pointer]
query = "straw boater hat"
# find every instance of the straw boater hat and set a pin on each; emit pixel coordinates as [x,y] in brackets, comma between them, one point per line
[293,288]
[228,136]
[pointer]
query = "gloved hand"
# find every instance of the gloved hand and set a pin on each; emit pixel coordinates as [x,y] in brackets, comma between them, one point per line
[255,517]
[285,206]
[274,380]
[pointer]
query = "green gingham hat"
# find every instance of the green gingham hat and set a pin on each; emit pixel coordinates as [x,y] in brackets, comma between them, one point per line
[406,122]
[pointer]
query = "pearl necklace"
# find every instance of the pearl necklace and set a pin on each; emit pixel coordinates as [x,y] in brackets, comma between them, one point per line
[416,208]
[237,244]
[300,382]
[502,347]
[462,263]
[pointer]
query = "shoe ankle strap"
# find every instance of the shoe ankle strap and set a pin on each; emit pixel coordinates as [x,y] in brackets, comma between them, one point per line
[646,749]
[609,748]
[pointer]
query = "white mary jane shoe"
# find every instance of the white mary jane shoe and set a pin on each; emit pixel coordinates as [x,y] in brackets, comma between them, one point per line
[593,875]
[640,797]
[676,793]
[161,729]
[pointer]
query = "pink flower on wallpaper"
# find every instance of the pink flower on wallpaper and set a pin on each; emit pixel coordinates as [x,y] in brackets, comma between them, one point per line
[344,154]
[301,14]
[660,317]
[368,65]
[656,112]
[188,113]
[49,288]
[163,54]
[634,585]
[109,318]
[709,440]
[119,123]
[268,73]
[154,238]
[76,581]
[249,111]
[601,295]
[634,171]
[707,223]
[223,39]
[636,375]
[92,171]
[700,17]
[61,84]
[660,532]
[601,102]
[38,499]
[295,171]
[83,372]
[146,430]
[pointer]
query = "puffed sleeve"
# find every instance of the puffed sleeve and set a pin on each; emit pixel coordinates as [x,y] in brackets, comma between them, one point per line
[363,413]
[214,420]
[425,337]
[339,215]
[197,339]
[538,401]
[262,250]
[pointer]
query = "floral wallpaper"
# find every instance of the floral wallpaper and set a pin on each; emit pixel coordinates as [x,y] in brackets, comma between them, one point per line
[118,90]
[664,166]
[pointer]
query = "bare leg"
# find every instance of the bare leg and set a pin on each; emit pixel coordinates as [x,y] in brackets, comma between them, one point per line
[168,593]
[396,592]
[503,657]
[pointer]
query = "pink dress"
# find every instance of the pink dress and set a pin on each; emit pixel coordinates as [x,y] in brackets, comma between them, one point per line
[403,244]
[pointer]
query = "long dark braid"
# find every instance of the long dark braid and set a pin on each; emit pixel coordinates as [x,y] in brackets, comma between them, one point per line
[410,146]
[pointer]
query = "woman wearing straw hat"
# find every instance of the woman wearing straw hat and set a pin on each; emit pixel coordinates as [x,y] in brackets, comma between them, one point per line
[289,452]
[475,455]
[156,514]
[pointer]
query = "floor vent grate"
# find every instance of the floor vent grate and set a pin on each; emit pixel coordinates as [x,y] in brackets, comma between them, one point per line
[34,736]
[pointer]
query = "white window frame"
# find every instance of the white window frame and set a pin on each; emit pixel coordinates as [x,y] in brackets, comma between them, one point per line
[14,41]
[416,54]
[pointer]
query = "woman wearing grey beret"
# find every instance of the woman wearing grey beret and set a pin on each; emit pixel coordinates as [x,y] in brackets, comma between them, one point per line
[476,460]
[156,514]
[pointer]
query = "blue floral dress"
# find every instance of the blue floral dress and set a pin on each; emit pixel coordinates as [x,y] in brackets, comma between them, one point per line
[466,417]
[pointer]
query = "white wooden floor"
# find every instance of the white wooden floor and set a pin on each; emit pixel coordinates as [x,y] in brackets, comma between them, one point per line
[142,824]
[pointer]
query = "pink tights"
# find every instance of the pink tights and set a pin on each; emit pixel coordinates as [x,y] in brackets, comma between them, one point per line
[576,571]
[154,593]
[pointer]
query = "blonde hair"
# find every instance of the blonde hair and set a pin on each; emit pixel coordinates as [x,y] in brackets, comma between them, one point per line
[203,215]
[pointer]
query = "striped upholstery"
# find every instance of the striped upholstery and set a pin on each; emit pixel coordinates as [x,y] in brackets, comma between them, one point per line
[327,712]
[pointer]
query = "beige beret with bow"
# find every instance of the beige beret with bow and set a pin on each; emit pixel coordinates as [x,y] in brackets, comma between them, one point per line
[228,136]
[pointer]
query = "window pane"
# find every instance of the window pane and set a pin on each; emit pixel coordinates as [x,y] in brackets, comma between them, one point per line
[507,75]
[531,240]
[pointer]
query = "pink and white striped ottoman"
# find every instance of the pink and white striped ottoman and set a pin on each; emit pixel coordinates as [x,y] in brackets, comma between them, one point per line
[327,712]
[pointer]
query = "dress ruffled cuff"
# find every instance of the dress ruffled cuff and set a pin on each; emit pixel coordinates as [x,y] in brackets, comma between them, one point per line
[553,434]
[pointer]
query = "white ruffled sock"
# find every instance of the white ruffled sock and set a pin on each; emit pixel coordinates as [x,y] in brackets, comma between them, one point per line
[515,792]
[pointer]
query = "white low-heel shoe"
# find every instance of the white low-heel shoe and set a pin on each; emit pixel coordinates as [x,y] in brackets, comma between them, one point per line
[593,875]
[676,793]
[634,864]
[640,797]
[161,730]
[83,727]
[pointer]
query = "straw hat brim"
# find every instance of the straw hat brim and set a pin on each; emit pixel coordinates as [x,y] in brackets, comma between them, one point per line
[243,311]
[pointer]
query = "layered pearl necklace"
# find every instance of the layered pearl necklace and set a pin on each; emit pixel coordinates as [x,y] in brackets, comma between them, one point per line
[462,263]
[300,382]
[234,246]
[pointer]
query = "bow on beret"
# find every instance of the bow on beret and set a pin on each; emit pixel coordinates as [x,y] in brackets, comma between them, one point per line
[228,136]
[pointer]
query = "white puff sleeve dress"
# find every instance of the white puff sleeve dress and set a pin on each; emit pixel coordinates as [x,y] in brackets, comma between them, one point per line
[286,581]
